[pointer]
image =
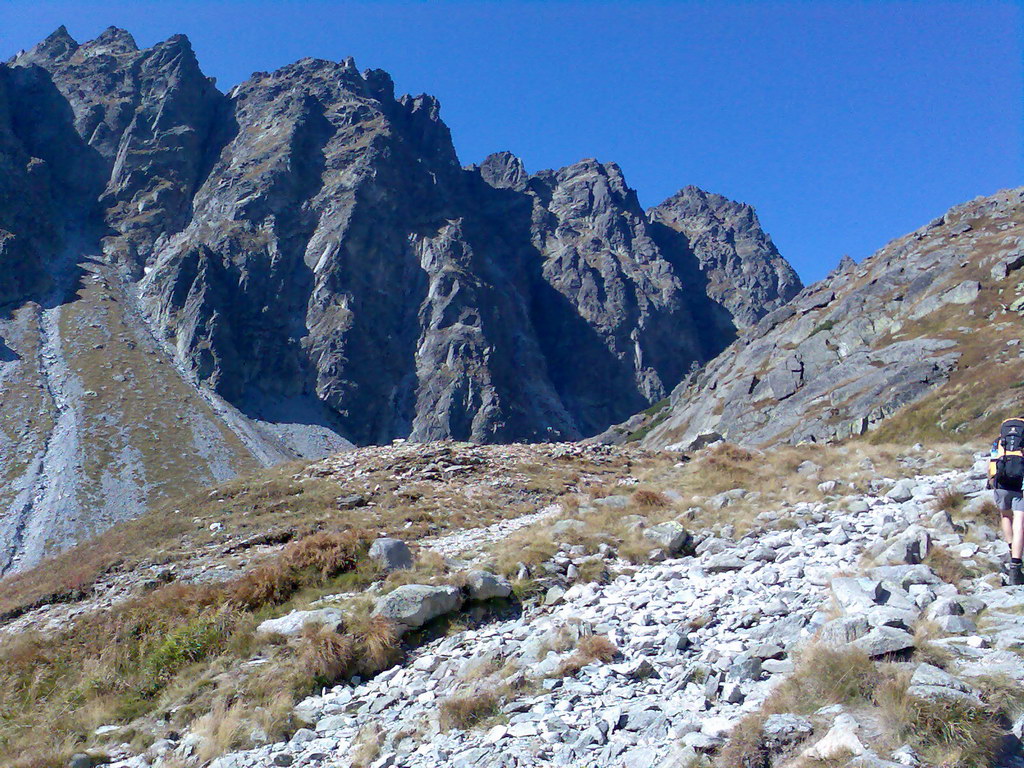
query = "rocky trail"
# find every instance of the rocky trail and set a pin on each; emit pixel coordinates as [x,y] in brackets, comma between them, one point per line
[701,641]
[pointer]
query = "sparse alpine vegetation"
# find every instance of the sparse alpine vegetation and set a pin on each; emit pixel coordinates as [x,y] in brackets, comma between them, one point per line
[745,628]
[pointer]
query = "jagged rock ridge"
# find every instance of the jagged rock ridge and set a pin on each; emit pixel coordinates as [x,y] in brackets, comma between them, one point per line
[930,321]
[196,282]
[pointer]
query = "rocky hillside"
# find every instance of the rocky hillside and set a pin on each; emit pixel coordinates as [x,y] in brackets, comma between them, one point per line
[195,283]
[920,341]
[822,606]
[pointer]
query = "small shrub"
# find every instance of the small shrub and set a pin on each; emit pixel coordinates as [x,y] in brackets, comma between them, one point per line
[465,712]
[194,641]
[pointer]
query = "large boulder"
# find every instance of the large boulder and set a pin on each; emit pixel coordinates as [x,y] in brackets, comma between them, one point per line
[902,491]
[883,641]
[391,554]
[413,605]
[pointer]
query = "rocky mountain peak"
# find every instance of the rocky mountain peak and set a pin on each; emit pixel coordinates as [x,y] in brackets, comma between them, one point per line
[744,269]
[114,41]
[58,46]
[503,170]
[316,267]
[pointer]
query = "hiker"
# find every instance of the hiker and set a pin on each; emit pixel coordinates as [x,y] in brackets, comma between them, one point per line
[1006,479]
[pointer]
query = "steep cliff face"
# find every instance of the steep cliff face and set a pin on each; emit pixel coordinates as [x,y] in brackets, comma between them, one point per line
[919,341]
[303,262]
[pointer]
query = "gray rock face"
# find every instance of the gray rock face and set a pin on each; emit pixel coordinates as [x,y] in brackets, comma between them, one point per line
[670,536]
[309,237]
[483,585]
[293,623]
[854,348]
[308,248]
[741,264]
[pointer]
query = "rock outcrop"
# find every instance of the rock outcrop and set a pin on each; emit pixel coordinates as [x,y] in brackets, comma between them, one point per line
[929,320]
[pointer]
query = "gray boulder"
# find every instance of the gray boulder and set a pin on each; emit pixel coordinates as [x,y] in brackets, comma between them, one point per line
[670,536]
[843,630]
[884,641]
[484,585]
[930,682]
[413,605]
[903,490]
[785,729]
[391,554]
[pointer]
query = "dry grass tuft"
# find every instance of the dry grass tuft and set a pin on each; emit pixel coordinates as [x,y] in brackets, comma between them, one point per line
[222,729]
[378,642]
[270,584]
[589,649]
[1001,693]
[745,747]
[465,712]
[326,554]
[950,500]
[952,733]
[947,565]
[825,676]
[327,656]
[648,499]
[310,560]
[366,747]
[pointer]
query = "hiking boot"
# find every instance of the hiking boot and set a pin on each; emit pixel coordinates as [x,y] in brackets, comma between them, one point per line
[1014,577]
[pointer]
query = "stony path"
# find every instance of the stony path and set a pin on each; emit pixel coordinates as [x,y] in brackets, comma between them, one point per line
[702,639]
[468,541]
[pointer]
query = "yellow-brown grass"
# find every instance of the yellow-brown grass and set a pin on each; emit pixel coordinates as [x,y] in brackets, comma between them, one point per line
[825,676]
[947,565]
[648,499]
[468,710]
[171,645]
[589,649]
[957,733]
[327,655]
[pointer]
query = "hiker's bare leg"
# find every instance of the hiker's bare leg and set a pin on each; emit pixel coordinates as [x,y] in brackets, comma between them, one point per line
[1017,541]
[1006,523]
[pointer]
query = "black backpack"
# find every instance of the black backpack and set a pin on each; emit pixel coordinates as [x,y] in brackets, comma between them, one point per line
[1010,456]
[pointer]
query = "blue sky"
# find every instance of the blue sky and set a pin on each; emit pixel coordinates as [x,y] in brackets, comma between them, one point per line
[844,123]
